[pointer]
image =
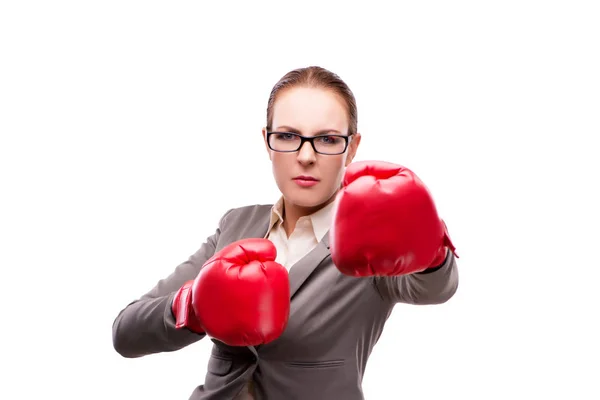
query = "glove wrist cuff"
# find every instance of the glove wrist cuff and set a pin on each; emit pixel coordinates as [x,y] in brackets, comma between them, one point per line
[182,309]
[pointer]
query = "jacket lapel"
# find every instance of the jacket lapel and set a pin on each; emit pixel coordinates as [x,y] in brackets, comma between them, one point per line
[260,230]
[300,271]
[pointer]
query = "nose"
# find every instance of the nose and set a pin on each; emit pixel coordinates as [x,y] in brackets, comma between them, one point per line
[306,154]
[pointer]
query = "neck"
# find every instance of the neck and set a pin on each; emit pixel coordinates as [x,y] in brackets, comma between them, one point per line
[293,212]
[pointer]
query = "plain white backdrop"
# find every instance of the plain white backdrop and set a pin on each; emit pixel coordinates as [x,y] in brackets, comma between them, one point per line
[129,127]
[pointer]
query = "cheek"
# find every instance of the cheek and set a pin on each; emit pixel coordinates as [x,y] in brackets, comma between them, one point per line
[335,168]
[281,164]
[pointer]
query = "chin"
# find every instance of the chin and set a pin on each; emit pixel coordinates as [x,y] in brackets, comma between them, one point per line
[308,199]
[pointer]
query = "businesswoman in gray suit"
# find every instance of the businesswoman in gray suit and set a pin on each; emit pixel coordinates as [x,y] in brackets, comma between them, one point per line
[295,294]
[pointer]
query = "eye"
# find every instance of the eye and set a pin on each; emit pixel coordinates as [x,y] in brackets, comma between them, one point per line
[284,136]
[329,139]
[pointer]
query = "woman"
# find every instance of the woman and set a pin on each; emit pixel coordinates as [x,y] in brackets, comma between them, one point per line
[315,346]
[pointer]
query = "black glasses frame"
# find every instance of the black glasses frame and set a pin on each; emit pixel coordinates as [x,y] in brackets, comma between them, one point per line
[309,139]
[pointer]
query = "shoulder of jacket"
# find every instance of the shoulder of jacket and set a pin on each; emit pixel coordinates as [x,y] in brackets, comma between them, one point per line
[249,211]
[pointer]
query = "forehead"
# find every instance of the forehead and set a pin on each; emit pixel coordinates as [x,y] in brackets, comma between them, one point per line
[310,110]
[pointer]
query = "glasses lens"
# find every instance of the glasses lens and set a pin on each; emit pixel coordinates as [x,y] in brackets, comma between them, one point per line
[330,144]
[284,141]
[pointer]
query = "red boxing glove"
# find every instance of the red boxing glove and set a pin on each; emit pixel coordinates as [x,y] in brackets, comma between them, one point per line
[241,295]
[385,223]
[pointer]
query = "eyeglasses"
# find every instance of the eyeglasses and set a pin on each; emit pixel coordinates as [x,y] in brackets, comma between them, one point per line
[287,142]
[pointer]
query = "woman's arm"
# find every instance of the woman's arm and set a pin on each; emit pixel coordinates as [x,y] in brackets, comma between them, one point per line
[147,325]
[434,286]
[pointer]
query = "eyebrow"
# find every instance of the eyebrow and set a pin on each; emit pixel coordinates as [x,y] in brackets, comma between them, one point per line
[293,130]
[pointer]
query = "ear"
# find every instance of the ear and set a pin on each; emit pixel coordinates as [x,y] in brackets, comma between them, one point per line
[353,147]
[264,134]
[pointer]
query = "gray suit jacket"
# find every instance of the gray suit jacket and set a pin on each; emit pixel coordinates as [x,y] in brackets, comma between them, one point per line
[335,320]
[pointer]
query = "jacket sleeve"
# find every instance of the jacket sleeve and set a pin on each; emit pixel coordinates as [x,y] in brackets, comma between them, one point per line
[147,325]
[433,286]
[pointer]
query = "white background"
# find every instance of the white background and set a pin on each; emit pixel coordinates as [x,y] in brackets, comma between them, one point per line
[129,127]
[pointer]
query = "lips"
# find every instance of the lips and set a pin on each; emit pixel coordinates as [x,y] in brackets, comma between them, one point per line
[306,178]
[305,181]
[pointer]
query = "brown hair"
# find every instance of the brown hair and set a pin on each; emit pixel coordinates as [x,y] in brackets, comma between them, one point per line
[316,77]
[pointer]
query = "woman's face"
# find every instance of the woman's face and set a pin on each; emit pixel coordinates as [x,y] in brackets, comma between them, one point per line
[310,112]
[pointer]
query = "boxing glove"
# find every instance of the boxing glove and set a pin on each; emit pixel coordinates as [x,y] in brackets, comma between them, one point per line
[241,296]
[385,223]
